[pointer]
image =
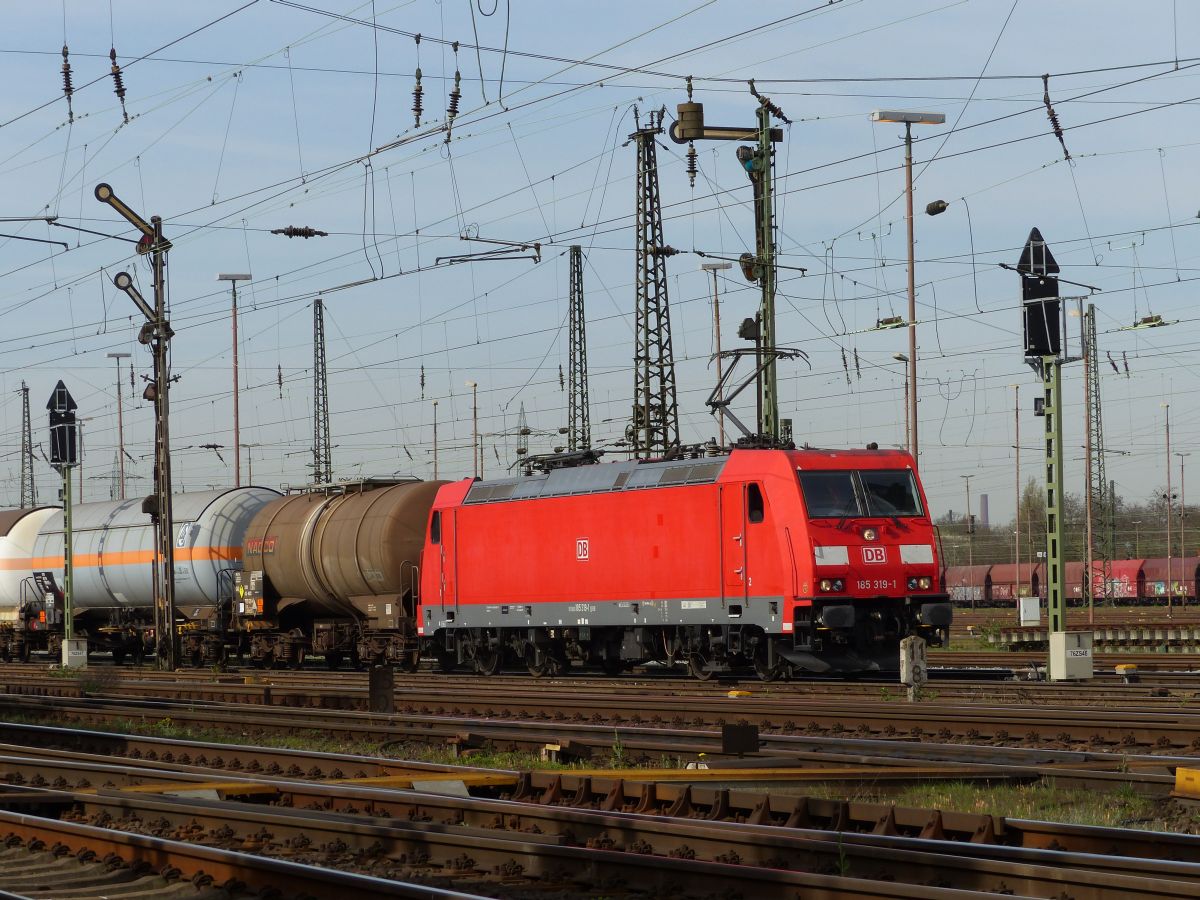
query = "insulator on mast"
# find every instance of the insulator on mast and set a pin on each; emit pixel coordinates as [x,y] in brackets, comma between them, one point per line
[68,89]
[691,163]
[417,108]
[119,82]
[455,96]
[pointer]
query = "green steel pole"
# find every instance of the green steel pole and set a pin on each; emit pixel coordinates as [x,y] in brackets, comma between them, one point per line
[1052,388]
[766,159]
[68,562]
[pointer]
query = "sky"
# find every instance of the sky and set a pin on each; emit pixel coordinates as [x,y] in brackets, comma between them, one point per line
[245,117]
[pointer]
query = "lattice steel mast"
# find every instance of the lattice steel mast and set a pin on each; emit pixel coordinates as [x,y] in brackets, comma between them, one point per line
[579,422]
[1101,505]
[322,457]
[655,427]
[28,488]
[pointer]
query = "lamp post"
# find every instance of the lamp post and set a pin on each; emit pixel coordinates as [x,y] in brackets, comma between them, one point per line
[474,386]
[120,423]
[909,119]
[970,527]
[1170,592]
[435,455]
[903,358]
[233,278]
[1182,509]
[716,267]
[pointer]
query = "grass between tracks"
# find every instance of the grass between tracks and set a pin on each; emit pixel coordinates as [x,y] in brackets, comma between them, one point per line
[1122,808]
[318,742]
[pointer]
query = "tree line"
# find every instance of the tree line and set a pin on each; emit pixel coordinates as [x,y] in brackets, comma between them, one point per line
[1134,530]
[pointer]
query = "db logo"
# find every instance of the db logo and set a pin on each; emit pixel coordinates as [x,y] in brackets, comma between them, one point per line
[874,555]
[581,549]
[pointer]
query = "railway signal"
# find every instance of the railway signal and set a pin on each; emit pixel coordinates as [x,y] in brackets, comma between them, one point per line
[758,161]
[1043,329]
[64,455]
[156,334]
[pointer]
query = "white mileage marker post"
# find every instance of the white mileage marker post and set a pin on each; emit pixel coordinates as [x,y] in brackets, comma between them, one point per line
[913,670]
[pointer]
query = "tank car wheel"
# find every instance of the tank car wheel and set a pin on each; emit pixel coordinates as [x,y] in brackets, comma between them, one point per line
[118,657]
[333,660]
[487,660]
[195,657]
[23,653]
[612,666]
[6,653]
[297,661]
[698,667]
[410,662]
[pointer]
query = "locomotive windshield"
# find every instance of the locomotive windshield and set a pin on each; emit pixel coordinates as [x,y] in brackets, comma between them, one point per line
[865,492]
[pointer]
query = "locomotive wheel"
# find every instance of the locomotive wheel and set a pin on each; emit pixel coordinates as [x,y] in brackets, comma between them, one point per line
[536,662]
[446,660]
[762,670]
[487,660]
[612,666]
[698,667]
[196,657]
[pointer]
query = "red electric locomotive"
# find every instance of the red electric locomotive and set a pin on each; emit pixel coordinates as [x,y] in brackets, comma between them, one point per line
[816,560]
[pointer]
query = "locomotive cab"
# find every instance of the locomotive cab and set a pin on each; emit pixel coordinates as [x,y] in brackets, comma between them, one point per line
[874,570]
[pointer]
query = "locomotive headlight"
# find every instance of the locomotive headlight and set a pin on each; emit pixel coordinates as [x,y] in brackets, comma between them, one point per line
[925,583]
[826,585]
[870,534]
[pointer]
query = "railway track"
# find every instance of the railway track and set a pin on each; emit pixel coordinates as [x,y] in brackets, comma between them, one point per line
[583,834]
[663,723]
[468,695]
[592,833]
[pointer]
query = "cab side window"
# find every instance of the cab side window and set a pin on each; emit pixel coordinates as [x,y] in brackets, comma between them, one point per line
[755,506]
[435,528]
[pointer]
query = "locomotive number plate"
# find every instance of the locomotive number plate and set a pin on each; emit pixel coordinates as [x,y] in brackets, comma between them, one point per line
[876,584]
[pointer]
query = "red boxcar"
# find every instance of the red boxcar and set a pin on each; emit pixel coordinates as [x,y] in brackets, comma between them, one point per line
[813,559]
[966,584]
[1181,576]
[1006,582]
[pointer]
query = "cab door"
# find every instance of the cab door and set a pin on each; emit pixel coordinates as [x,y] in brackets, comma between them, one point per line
[735,579]
[441,529]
